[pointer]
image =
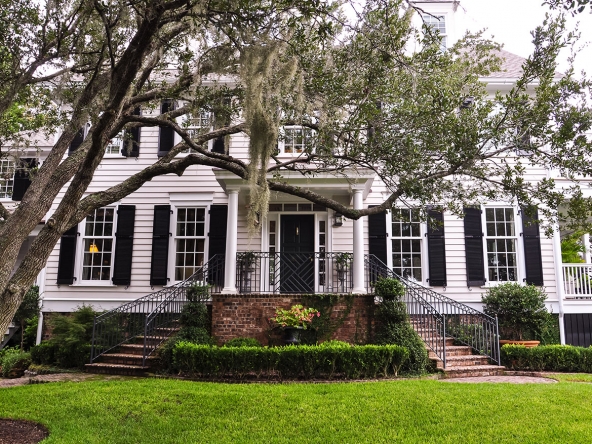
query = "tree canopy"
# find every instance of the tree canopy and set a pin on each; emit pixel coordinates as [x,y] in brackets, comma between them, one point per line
[376,91]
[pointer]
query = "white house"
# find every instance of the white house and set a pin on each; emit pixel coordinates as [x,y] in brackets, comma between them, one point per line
[169,228]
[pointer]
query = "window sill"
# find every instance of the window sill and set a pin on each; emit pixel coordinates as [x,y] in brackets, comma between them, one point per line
[92,284]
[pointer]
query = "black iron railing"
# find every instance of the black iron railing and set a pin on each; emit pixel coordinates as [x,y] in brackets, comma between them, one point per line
[151,314]
[318,272]
[437,317]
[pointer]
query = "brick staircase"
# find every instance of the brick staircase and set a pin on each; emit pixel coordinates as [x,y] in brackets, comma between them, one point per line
[460,360]
[127,359]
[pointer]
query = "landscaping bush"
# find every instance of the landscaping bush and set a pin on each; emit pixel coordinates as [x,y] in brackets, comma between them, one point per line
[291,362]
[14,362]
[520,310]
[393,325]
[556,358]
[243,342]
[69,346]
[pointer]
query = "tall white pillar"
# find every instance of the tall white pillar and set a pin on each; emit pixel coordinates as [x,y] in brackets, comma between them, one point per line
[358,267]
[231,241]
[559,279]
[586,243]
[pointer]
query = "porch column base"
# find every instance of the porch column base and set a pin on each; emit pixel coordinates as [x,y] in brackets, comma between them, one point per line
[358,265]
[231,239]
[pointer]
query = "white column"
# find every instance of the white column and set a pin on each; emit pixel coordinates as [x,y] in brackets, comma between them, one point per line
[586,243]
[231,240]
[358,267]
[559,279]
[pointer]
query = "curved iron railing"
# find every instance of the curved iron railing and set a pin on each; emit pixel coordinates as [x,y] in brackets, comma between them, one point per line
[281,272]
[448,318]
[145,315]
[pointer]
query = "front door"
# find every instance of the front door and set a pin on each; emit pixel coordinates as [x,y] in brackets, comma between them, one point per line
[297,254]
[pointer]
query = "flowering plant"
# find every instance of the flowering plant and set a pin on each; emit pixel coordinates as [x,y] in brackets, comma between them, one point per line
[297,316]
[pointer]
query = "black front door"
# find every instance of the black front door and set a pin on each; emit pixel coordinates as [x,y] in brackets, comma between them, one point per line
[297,254]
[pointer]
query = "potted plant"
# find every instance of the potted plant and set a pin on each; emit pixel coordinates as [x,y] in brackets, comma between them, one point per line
[247,260]
[342,261]
[294,320]
[520,310]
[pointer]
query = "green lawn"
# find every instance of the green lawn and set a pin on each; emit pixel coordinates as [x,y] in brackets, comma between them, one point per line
[418,411]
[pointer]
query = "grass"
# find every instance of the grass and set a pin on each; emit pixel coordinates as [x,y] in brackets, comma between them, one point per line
[410,411]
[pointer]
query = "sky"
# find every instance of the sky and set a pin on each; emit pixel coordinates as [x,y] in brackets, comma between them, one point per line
[510,22]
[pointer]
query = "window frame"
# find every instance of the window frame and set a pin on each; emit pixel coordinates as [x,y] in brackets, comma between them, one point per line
[423,229]
[432,16]
[518,243]
[5,195]
[281,147]
[80,251]
[187,200]
[182,122]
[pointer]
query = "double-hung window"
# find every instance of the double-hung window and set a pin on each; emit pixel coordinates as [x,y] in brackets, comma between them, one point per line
[501,240]
[6,178]
[437,23]
[98,240]
[195,125]
[189,241]
[115,144]
[406,243]
[295,140]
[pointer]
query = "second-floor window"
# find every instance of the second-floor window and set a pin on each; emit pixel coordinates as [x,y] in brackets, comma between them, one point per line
[500,240]
[6,178]
[115,144]
[437,23]
[295,140]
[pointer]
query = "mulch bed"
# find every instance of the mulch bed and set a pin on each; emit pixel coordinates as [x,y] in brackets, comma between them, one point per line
[17,431]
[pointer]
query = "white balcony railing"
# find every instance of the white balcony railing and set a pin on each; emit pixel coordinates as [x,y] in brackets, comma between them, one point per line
[577,281]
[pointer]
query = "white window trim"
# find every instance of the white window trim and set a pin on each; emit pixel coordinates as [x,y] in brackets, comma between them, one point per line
[177,138]
[116,154]
[423,229]
[10,161]
[282,144]
[444,35]
[520,265]
[78,282]
[187,200]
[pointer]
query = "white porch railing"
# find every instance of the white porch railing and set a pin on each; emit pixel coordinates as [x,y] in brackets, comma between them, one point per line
[577,281]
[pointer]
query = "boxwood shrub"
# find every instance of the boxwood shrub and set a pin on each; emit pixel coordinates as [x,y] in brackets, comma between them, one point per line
[292,362]
[556,358]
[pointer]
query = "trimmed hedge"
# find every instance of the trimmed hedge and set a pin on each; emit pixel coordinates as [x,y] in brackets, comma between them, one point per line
[292,362]
[556,358]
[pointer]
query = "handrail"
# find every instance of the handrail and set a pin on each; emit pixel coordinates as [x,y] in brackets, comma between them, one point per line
[124,323]
[463,323]
[285,272]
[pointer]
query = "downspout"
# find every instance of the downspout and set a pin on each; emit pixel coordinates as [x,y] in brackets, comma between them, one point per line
[41,285]
[559,279]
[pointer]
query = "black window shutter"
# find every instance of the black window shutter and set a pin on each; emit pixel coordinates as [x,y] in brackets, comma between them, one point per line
[218,146]
[436,249]
[131,140]
[67,256]
[474,247]
[124,244]
[377,235]
[22,178]
[532,249]
[77,141]
[166,139]
[217,243]
[160,245]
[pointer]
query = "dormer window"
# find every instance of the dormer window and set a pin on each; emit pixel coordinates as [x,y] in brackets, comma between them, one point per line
[295,140]
[437,23]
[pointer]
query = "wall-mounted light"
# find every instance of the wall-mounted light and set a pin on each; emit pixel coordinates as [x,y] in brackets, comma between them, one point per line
[337,220]
[93,248]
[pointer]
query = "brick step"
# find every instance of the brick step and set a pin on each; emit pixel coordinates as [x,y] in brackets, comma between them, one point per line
[116,369]
[132,349]
[125,359]
[462,361]
[454,350]
[474,371]
[151,340]
[438,340]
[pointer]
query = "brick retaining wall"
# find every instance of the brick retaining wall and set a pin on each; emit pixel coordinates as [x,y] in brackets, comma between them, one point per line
[247,315]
